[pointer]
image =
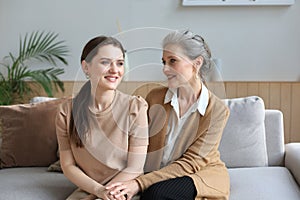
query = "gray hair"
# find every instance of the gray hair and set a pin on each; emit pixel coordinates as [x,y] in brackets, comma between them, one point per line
[193,46]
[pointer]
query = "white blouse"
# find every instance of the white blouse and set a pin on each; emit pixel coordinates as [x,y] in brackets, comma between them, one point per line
[177,123]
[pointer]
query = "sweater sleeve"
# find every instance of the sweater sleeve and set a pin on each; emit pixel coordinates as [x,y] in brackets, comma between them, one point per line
[138,133]
[202,152]
[62,127]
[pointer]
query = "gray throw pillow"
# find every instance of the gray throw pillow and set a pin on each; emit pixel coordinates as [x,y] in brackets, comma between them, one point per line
[243,142]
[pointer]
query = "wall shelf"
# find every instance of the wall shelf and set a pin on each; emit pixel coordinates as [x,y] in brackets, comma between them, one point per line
[237,2]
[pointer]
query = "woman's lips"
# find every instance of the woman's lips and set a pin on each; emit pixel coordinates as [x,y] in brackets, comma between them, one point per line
[171,77]
[111,78]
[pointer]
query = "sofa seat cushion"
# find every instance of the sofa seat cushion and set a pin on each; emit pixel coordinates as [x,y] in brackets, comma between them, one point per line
[263,183]
[33,183]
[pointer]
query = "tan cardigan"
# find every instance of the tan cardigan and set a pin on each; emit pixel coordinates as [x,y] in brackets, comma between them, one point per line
[201,161]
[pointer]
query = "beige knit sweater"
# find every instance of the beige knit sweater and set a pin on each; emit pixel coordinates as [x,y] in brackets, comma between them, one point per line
[113,131]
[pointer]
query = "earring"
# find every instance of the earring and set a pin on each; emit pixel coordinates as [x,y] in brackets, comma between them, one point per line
[87,75]
[196,76]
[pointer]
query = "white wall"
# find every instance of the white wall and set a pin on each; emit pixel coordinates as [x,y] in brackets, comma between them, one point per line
[254,43]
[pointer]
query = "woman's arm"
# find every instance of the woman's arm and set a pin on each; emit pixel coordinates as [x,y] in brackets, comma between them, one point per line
[124,182]
[67,161]
[137,151]
[135,164]
[137,141]
[77,176]
[203,151]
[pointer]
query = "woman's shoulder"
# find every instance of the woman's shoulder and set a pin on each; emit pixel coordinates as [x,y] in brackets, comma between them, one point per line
[158,90]
[65,106]
[133,100]
[216,103]
[156,95]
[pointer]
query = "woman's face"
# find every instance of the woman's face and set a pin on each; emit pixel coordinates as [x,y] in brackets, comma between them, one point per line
[106,69]
[178,68]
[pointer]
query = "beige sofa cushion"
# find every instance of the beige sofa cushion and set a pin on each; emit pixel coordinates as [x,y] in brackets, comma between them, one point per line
[0,135]
[54,167]
[28,134]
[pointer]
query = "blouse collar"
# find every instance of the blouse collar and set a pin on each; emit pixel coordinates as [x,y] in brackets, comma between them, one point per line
[202,101]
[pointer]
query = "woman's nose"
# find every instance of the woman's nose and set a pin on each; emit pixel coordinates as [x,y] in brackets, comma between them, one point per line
[166,68]
[113,67]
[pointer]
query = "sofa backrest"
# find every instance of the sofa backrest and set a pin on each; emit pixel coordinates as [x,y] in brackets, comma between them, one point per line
[253,136]
[275,137]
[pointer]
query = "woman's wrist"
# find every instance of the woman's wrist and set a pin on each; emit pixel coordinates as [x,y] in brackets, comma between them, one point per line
[98,190]
[138,187]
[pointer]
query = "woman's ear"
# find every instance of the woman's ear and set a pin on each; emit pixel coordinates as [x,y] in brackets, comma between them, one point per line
[84,67]
[198,63]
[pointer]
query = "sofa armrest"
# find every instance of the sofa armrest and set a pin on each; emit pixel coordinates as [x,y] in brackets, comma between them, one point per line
[292,159]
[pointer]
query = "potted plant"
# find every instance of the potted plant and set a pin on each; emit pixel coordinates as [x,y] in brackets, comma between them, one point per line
[16,73]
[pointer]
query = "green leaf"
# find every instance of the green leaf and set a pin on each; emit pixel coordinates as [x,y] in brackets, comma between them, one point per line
[39,46]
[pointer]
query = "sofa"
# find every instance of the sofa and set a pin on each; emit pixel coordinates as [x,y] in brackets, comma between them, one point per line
[261,166]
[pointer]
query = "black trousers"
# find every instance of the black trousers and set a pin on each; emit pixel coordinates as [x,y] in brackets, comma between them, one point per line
[181,188]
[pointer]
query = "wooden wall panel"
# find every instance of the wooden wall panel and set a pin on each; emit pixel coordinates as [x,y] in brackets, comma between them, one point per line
[264,93]
[275,96]
[231,90]
[295,113]
[284,96]
[242,89]
[253,89]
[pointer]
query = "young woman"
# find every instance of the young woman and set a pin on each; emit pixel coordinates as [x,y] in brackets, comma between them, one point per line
[185,128]
[102,132]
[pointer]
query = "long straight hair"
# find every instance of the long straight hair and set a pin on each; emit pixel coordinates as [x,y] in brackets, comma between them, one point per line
[79,121]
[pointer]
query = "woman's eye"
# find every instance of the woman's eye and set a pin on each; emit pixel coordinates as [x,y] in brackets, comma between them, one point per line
[163,62]
[172,60]
[120,64]
[105,62]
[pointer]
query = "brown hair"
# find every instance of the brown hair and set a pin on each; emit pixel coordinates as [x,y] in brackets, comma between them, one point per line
[79,124]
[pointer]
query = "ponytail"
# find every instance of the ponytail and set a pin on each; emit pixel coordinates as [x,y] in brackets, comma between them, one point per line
[79,122]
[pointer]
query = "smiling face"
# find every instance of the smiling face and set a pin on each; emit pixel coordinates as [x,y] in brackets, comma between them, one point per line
[106,69]
[178,68]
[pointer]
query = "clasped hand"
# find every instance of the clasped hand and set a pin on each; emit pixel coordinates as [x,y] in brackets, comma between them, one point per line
[123,190]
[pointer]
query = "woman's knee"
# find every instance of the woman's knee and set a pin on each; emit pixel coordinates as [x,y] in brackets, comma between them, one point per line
[176,188]
[153,192]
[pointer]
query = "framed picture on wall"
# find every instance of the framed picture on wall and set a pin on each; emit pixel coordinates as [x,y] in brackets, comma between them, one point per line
[237,2]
